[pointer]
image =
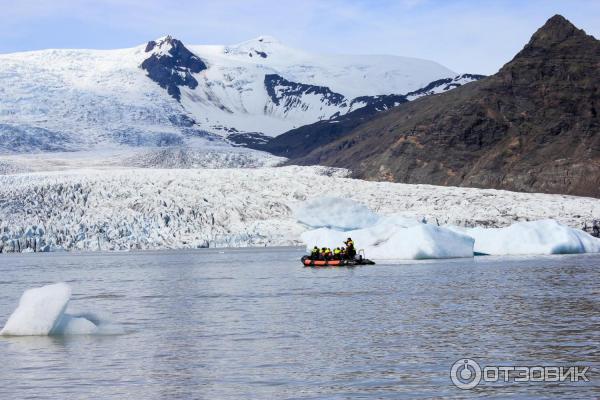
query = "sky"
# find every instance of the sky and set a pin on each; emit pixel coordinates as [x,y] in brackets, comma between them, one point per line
[465,36]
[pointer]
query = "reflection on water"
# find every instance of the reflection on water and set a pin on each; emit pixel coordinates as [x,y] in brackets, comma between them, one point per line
[255,324]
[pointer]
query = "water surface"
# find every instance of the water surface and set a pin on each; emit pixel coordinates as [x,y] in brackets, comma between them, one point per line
[254,324]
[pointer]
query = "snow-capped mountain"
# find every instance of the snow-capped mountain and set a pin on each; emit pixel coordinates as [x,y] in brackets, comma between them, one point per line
[166,93]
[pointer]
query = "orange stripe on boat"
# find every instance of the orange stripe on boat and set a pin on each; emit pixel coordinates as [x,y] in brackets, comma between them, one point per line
[322,263]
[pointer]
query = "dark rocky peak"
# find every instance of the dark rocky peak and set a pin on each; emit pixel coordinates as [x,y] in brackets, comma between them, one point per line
[556,38]
[174,48]
[172,65]
[557,52]
[557,29]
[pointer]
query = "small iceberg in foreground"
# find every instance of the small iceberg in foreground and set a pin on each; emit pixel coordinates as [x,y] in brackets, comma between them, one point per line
[398,237]
[41,312]
[532,237]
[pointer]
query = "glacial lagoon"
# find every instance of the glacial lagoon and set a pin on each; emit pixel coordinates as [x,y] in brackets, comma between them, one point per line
[253,323]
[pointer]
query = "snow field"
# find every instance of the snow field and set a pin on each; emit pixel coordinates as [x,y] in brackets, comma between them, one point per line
[69,99]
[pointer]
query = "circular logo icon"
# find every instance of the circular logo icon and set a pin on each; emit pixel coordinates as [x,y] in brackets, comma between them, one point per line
[465,374]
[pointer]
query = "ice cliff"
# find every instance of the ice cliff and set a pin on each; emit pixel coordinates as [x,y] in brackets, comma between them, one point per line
[128,209]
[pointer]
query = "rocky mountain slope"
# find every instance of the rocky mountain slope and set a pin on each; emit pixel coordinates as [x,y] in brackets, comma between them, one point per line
[300,141]
[532,127]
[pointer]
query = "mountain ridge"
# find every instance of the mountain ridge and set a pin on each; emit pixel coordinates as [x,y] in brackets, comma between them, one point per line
[166,93]
[532,126]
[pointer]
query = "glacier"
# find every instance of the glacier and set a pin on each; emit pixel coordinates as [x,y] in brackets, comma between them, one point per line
[41,312]
[118,208]
[211,155]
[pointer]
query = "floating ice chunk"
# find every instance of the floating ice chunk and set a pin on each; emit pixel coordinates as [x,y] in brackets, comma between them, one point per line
[532,237]
[423,241]
[72,325]
[41,311]
[389,241]
[335,213]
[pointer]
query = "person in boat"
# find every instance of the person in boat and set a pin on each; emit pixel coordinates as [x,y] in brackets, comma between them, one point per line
[337,253]
[322,253]
[350,250]
[314,254]
[328,254]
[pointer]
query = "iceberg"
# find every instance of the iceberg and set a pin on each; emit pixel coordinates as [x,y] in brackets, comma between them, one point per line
[380,237]
[398,237]
[530,238]
[392,241]
[41,312]
[335,213]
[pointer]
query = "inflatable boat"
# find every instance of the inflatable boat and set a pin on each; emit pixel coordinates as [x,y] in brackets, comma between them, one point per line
[307,262]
